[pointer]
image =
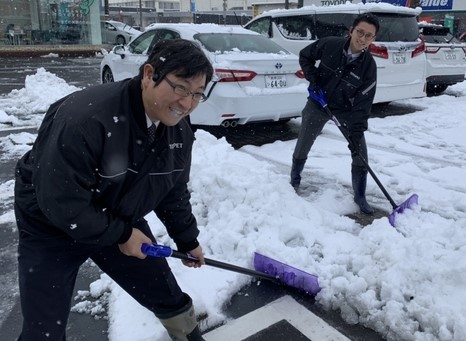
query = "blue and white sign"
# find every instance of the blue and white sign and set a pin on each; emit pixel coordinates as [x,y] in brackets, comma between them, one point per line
[427,5]
[436,5]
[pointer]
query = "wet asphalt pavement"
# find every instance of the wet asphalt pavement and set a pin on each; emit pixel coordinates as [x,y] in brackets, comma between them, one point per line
[80,72]
[83,72]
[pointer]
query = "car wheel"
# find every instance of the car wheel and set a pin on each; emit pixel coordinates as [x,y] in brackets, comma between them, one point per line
[107,75]
[436,89]
[120,40]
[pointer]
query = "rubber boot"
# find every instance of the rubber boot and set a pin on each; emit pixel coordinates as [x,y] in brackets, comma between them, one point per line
[182,324]
[296,169]
[359,178]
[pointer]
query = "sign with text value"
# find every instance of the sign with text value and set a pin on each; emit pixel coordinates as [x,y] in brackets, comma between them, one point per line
[427,5]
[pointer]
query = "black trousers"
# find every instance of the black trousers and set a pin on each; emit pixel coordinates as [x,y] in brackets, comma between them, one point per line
[312,122]
[47,274]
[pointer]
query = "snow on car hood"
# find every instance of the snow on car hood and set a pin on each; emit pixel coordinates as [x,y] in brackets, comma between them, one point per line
[131,30]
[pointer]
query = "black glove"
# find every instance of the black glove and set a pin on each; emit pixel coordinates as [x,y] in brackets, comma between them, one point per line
[355,144]
[313,84]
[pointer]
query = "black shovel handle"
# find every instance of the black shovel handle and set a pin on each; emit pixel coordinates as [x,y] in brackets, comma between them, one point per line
[319,97]
[165,251]
[361,157]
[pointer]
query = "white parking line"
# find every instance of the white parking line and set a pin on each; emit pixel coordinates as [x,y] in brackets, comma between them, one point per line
[18,128]
[284,308]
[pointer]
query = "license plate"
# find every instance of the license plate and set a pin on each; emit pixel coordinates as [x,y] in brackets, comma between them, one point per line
[275,81]
[399,58]
[450,55]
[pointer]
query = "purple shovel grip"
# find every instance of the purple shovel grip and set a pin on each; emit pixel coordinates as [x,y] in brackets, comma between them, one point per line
[408,203]
[287,274]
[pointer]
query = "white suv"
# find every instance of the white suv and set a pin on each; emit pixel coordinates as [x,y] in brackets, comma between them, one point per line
[446,62]
[398,50]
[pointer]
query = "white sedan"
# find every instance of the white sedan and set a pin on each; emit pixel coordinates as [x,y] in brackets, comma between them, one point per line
[446,57]
[115,32]
[255,79]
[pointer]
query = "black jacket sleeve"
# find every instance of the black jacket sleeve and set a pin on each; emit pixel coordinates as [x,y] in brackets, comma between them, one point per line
[175,212]
[308,58]
[64,177]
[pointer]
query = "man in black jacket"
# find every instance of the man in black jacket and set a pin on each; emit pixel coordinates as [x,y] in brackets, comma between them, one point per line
[347,74]
[104,158]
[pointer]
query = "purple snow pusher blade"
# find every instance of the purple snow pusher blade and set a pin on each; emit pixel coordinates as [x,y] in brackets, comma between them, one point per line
[287,274]
[408,203]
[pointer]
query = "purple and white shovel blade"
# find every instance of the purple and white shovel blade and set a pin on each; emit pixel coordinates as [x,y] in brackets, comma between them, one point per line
[287,274]
[408,203]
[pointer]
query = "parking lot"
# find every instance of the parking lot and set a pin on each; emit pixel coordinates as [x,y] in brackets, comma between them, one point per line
[83,72]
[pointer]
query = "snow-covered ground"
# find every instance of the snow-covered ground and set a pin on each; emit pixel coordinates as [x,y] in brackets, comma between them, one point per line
[406,282]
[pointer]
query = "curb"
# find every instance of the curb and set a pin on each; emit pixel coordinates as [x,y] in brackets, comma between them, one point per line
[61,50]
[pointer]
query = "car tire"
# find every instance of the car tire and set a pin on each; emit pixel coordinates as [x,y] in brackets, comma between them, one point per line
[107,75]
[120,40]
[436,89]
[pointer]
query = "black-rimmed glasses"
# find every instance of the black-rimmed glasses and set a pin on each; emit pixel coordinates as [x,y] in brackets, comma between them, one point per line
[361,34]
[182,91]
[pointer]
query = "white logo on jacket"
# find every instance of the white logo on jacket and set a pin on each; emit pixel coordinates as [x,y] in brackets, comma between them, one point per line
[177,145]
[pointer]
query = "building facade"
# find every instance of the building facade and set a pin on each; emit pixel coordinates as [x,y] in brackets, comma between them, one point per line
[51,21]
[80,21]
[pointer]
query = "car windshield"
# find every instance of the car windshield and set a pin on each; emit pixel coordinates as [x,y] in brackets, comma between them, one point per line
[225,42]
[438,35]
[397,27]
[334,24]
[141,44]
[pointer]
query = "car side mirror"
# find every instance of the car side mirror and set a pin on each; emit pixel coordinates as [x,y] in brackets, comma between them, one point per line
[119,50]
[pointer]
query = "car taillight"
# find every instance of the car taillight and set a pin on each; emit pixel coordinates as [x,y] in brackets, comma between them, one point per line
[224,75]
[299,74]
[378,51]
[432,49]
[419,49]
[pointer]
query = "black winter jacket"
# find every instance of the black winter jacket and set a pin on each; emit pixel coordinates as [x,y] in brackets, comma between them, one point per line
[349,88]
[92,176]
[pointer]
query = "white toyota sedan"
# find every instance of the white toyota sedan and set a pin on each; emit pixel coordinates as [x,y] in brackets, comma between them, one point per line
[255,79]
[115,32]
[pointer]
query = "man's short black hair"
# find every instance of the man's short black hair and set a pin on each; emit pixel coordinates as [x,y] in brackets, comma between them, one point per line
[368,18]
[181,56]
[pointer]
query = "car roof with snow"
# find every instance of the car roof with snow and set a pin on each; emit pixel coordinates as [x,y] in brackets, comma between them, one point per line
[348,7]
[201,28]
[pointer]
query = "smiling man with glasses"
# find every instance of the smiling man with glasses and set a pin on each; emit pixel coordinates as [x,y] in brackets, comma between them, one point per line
[104,158]
[182,91]
[361,34]
[347,75]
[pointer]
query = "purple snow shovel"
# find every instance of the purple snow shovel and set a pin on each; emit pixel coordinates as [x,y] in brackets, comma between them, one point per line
[289,275]
[267,268]
[408,203]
